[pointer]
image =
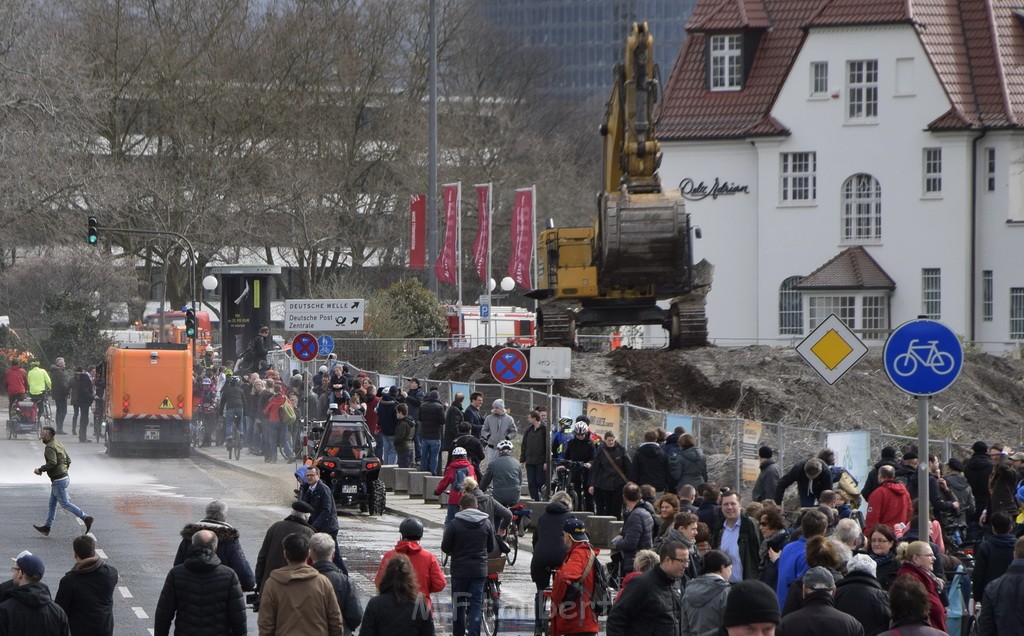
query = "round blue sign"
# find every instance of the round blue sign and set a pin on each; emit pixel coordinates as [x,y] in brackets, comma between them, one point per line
[326,345]
[923,357]
[304,347]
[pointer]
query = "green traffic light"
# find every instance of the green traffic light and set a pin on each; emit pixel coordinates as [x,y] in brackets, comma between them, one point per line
[92,239]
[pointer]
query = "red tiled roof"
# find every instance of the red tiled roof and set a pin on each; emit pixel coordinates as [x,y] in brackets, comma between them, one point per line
[976,48]
[853,268]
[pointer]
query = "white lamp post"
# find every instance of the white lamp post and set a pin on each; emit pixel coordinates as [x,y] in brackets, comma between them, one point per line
[210,283]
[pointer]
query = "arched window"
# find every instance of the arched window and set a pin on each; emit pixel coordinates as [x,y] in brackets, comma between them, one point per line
[791,308]
[862,209]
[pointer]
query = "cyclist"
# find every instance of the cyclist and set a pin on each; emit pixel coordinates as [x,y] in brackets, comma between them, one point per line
[505,475]
[560,437]
[16,383]
[39,384]
[468,538]
[574,584]
[548,546]
[428,571]
[581,451]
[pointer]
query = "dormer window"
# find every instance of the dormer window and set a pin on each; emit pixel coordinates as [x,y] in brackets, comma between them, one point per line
[725,62]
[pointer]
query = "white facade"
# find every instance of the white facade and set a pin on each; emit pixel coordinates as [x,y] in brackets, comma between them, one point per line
[759,238]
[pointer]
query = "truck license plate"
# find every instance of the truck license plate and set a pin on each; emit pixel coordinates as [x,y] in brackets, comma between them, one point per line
[349,490]
[152,433]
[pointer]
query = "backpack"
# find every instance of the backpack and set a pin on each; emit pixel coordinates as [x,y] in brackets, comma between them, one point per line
[460,476]
[601,597]
[849,487]
[287,413]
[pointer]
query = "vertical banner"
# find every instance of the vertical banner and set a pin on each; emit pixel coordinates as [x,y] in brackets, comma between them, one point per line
[418,231]
[445,266]
[521,256]
[483,230]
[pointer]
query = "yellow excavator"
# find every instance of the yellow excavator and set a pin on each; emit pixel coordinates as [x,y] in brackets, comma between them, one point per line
[640,250]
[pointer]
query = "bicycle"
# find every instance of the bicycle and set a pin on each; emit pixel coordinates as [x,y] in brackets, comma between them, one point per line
[569,479]
[198,432]
[43,415]
[492,596]
[940,362]
[520,519]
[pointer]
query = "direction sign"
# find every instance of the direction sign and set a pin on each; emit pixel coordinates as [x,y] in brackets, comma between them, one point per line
[304,346]
[832,349]
[509,365]
[326,345]
[344,314]
[923,357]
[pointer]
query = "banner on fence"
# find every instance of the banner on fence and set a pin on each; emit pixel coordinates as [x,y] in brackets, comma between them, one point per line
[570,408]
[750,442]
[674,421]
[604,418]
[853,452]
[463,388]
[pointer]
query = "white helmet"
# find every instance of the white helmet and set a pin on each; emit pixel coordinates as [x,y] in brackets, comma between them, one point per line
[504,446]
[458,451]
[580,427]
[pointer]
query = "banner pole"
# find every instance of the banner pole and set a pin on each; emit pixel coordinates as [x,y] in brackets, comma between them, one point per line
[533,252]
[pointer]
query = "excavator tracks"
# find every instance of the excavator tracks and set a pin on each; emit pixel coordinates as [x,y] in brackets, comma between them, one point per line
[556,327]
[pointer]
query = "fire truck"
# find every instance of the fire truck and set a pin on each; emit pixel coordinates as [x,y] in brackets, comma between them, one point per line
[507,326]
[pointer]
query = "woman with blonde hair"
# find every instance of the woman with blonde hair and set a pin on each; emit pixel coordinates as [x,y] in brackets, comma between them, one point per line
[399,609]
[918,560]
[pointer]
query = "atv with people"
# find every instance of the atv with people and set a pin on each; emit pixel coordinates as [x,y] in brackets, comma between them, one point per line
[346,456]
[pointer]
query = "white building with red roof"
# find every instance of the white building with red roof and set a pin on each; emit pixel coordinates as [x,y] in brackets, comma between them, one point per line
[857,157]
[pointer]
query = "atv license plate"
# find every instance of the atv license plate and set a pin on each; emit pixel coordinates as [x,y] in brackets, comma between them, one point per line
[152,433]
[349,490]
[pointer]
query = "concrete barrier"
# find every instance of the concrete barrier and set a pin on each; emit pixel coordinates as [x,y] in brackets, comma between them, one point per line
[429,485]
[402,479]
[582,515]
[598,528]
[536,510]
[387,475]
[416,482]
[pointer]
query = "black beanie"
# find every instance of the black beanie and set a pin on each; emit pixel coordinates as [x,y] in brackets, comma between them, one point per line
[888,453]
[749,602]
[765,452]
[979,448]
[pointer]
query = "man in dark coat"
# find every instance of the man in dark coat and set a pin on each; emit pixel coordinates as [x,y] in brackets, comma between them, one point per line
[652,602]
[819,615]
[649,464]
[474,447]
[201,596]
[977,470]
[387,417]
[811,479]
[324,517]
[28,608]
[229,548]
[860,595]
[468,538]
[431,426]
[86,593]
[271,554]
[993,555]
[452,419]
[60,388]
[472,414]
[1002,610]
[321,551]
[740,538]
[768,479]
[888,459]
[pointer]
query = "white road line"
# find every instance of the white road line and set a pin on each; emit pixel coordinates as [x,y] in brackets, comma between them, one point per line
[141,613]
[101,554]
[152,631]
[124,592]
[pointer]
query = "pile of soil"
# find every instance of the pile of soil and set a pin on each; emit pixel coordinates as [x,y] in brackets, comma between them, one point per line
[774,385]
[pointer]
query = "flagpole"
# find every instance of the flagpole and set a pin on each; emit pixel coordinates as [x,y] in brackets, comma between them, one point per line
[458,245]
[487,283]
[533,252]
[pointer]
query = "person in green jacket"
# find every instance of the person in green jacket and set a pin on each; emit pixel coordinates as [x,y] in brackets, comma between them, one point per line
[39,383]
[405,437]
[56,468]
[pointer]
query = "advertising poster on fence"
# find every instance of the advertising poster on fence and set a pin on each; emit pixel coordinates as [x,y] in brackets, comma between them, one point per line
[853,452]
[748,450]
[604,418]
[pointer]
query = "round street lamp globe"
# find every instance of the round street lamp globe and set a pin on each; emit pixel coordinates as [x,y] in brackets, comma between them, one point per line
[210,283]
[507,284]
[491,284]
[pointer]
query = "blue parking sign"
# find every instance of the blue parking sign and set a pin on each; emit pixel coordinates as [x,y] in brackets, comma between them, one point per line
[923,357]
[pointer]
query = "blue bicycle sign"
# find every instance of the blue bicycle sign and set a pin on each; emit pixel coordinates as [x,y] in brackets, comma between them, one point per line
[923,357]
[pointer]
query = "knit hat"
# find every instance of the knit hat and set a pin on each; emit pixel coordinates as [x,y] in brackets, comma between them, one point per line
[888,452]
[979,448]
[909,455]
[301,506]
[31,565]
[751,602]
[498,404]
[765,452]
[955,464]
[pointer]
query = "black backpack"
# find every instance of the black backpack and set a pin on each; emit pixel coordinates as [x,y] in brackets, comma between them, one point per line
[601,597]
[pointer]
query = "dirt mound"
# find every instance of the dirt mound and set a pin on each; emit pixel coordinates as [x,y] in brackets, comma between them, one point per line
[774,385]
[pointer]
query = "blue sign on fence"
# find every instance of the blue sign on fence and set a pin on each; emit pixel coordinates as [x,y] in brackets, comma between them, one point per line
[923,357]
[326,345]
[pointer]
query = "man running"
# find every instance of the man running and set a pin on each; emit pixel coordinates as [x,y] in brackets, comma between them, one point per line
[56,468]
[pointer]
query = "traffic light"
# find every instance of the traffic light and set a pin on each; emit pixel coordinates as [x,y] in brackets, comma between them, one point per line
[94,236]
[190,323]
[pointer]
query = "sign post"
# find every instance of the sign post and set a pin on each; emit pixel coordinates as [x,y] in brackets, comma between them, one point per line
[923,358]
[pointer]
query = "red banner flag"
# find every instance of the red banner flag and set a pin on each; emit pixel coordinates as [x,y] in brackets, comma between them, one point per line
[481,245]
[418,231]
[444,268]
[521,256]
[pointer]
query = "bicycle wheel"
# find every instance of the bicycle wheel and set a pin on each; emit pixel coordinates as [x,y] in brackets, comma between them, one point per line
[489,624]
[943,363]
[512,538]
[905,364]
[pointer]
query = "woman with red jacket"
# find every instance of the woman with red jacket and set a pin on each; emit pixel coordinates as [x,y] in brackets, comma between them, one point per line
[275,433]
[918,559]
[571,590]
[454,474]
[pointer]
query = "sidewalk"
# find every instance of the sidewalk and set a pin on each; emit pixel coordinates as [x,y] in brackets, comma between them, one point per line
[432,515]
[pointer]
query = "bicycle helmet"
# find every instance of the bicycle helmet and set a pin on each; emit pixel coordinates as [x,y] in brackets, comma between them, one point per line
[580,428]
[411,529]
[458,451]
[207,381]
[504,446]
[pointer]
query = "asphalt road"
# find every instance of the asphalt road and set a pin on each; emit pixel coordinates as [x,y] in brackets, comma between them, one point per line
[141,505]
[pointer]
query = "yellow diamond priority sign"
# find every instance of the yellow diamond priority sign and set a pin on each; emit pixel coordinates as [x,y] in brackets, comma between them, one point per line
[832,349]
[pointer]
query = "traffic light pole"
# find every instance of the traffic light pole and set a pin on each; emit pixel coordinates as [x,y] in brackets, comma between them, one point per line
[181,240]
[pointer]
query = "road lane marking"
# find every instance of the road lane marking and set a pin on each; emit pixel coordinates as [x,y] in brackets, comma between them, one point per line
[101,554]
[124,592]
[141,613]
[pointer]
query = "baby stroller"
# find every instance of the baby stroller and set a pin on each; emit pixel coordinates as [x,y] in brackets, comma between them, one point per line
[24,419]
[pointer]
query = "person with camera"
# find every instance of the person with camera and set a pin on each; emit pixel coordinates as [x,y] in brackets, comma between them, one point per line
[574,584]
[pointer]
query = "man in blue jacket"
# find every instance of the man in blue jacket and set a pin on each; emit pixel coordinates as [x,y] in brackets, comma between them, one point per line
[792,562]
